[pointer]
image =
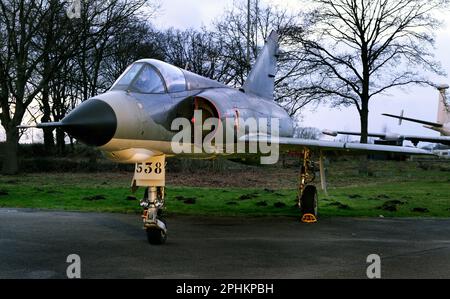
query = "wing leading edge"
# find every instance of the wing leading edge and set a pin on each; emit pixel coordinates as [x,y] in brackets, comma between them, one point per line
[344,148]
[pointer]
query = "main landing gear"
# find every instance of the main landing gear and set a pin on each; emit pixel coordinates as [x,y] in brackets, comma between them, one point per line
[307,194]
[152,175]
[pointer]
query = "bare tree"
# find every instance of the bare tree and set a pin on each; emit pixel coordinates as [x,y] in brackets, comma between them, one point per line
[125,41]
[135,40]
[354,50]
[197,51]
[232,36]
[21,56]
[38,40]
[101,23]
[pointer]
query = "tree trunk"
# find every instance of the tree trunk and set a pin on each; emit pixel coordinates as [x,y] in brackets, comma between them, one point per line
[365,96]
[10,159]
[364,117]
[49,141]
[72,145]
[60,141]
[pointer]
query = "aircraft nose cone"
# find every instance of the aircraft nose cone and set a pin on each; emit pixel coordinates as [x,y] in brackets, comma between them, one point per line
[93,123]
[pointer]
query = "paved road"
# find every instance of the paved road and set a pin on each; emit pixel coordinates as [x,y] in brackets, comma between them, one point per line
[35,244]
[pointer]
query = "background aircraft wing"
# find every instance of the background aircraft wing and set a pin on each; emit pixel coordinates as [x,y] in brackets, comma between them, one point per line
[413,138]
[415,120]
[335,133]
[417,139]
[292,144]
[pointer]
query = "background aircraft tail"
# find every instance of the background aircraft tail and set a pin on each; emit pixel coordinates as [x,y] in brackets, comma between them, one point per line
[444,106]
[443,111]
[261,80]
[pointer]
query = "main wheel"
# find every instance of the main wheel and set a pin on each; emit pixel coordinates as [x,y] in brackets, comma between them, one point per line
[309,201]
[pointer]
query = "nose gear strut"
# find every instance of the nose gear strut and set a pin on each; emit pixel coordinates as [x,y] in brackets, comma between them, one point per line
[153,204]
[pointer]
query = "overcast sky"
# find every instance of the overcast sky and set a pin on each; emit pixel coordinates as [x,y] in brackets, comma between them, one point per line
[417,102]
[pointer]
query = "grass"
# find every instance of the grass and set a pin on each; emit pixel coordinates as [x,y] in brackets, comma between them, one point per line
[399,186]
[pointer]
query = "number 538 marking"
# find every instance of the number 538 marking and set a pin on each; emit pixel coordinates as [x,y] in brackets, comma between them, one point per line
[148,168]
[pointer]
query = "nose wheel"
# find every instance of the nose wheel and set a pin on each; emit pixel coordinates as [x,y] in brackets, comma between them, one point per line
[156,235]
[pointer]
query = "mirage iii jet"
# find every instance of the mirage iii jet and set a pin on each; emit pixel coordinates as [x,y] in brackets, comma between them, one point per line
[156,110]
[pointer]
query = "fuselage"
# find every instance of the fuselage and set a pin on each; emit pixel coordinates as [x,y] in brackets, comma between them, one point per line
[145,118]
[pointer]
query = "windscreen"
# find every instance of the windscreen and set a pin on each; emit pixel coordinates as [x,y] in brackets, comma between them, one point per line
[148,81]
[142,78]
[128,76]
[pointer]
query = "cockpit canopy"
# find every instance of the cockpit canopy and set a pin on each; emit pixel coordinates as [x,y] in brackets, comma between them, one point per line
[151,76]
[155,77]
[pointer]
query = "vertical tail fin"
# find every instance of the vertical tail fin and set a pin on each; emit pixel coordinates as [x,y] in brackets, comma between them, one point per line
[261,80]
[444,106]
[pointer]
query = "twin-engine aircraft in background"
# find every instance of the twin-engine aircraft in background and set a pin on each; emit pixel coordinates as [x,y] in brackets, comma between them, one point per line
[156,110]
[442,125]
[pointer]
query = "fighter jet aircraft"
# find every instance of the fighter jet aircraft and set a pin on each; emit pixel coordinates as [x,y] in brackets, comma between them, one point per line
[442,126]
[156,110]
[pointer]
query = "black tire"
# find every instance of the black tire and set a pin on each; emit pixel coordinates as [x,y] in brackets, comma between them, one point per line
[309,201]
[156,236]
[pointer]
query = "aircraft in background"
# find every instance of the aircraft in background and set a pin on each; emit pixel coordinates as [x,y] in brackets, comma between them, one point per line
[443,121]
[442,126]
[394,138]
[138,121]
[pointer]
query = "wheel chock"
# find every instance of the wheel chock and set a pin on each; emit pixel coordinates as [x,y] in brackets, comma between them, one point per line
[309,218]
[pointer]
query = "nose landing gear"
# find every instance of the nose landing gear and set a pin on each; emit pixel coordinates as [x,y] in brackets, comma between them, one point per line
[155,226]
[151,175]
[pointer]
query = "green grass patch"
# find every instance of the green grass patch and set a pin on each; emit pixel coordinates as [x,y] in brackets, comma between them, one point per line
[392,189]
[100,193]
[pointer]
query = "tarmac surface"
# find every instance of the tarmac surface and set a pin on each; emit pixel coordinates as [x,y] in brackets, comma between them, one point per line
[36,244]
